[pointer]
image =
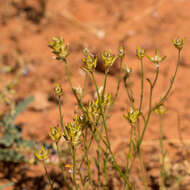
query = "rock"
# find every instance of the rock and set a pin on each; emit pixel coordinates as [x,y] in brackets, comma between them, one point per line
[40,101]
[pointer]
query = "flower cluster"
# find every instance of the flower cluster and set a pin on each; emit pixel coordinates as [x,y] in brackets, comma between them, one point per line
[74,129]
[92,111]
[59,48]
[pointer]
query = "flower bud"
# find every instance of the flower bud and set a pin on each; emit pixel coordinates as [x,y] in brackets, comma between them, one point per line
[121,52]
[58,90]
[132,116]
[140,53]
[160,110]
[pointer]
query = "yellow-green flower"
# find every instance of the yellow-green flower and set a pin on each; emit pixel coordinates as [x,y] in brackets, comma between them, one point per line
[42,154]
[156,59]
[59,48]
[58,90]
[178,43]
[108,58]
[132,116]
[160,110]
[140,53]
[89,60]
[55,133]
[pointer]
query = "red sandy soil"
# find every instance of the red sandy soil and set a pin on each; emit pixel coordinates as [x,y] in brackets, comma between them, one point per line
[101,25]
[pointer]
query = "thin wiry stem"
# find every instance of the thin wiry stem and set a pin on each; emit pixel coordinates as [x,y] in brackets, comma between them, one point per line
[74,167]
[49,179]
[172,80]
[71,85]
[162,172]
[142,85]
[118,81]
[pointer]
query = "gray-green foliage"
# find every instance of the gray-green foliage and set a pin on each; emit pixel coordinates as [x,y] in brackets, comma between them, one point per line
[11,141]
[6,185]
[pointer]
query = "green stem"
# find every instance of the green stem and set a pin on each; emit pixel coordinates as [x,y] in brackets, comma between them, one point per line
[90,143]
[114,162]
[61,117]
[49,179]
[150,107]
[60,161]
[98,167]
[172,80]
[129,91]
[71,85]
[101,110]
[152,85]
[105,82]
[129,155]
[118,81]
[105,173]
[107,143]
[144,176]
[84,85]
[87,158]
[142,85]
[74,167]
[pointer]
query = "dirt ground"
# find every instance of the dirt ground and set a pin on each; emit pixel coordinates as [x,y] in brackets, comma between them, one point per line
[26,29]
